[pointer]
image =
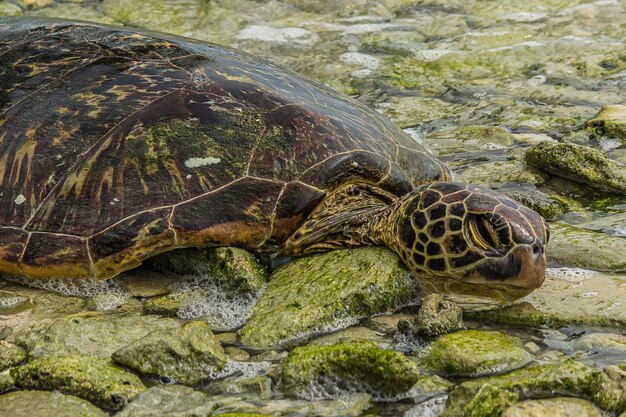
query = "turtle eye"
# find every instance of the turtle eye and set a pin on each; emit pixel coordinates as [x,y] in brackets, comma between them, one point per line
[482,232]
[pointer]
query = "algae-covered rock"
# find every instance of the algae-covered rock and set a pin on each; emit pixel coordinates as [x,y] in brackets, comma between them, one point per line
[231,268]
[10,355]
[7,382]
[313,372]
[99,335]
[9,9]
[610,121]
[554,407]
[93,379]
[188,354]
[569,378]
[259,385]
[476,353]
[543,204]
[609,388]
[352,334]
[315,294]
[48,404]
[489,401]
[579,163]
[576,247]
[170,401]
[437,317]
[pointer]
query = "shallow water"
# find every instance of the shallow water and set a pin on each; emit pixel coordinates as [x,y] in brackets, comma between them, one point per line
[537,69]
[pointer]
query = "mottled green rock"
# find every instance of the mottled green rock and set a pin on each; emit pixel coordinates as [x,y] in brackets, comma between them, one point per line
[476,353]
[9,9]
[579,163]
[257,385]
[97,336]
[572,246]
[7,382]
[610,121]
[233,269]
[554,407]
[315,294]
[170,401]
[44,403]
[321,372]
[187,355]
[10,355]
[437,317]
[489,401]
[543,204]
[609,388]
[569,378]
[165,305]
[93,379]
[352,334]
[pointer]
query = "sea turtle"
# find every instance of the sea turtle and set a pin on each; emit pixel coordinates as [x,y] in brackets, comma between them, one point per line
[116,145]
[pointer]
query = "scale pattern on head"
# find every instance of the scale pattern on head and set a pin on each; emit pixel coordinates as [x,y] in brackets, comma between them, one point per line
[471,233]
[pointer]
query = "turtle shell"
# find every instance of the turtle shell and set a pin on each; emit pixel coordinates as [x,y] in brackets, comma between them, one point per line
[116,145]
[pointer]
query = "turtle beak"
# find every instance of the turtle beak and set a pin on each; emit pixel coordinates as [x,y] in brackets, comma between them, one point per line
[532,259]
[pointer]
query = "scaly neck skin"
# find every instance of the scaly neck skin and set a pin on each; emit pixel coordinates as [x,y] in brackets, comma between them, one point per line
[351,216]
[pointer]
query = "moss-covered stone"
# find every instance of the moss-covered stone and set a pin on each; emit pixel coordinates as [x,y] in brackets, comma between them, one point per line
[579,163]
[9,9]
[231,268]
[609,388]
[475,353]
[569,378]
[7,382]
[93,379]
[323,372]
[10,355]
[188,354]
[437,317]
[259,385]
[561,406]
[610,121]
[170,401]
[315,294]
[44,403]
[489,401]
[543,204]
[164,305]
[97,335]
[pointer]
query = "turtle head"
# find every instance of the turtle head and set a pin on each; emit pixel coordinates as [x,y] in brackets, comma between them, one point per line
[472,241]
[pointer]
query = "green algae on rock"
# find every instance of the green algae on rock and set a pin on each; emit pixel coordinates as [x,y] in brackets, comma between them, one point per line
[476,353]
[188,354]
[609,388]
[575,247]
[315,294]
[93,379]
[232,268]
[10,355]
[610,121]
[569,378]
[7,382]
[579,163]
[170,401]
[551,407]
[548,206]
[44,403]
[437,317]
[97,335]
[489,401]
[314,372]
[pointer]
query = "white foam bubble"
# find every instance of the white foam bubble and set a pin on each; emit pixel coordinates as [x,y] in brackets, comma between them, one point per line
[107,294]
[11,301]
[570,274]
[202,297]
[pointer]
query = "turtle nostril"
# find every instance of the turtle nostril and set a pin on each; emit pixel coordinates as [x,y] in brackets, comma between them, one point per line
[537,249]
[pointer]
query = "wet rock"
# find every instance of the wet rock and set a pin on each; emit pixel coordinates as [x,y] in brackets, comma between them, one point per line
[99,335]
[490,401]
[609,389]
[613,224]
[579,163]
[436,317]
[5,332]
[315,294]
[313,372]
[227,338]
[476,353]
[429,386]
[568,296]
[170,401]
[44,403]
[93,379]
[542,203]
[165,305]
[610,121]
[10,355]
[569,378]
[233,269]
[387,324]
[142,282]
[498,173]
[260,386]
[575,247]
[468,138]
[554,407]
[351,334]
[9,9]
[187,354]
[7,382]
[236,354]
[606,342]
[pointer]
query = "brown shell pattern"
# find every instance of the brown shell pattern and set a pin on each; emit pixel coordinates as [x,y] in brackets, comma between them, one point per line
[116,145]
